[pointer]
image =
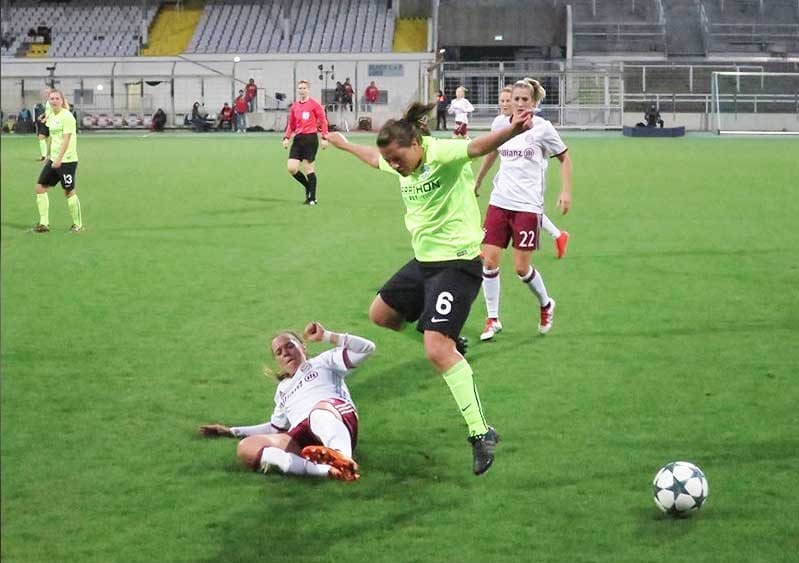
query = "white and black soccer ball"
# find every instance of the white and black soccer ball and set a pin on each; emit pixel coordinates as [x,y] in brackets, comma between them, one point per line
[680,488]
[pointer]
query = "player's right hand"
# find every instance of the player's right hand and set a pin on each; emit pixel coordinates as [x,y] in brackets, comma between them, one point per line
[212,430]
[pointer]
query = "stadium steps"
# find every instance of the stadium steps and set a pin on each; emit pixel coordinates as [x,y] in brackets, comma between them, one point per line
[37,50]
[171,31]
[683,28]
[410,35]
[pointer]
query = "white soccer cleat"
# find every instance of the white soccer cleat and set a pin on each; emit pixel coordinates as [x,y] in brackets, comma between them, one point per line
[547,317]
[493,326]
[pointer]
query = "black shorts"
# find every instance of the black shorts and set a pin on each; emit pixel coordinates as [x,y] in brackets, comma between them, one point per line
[65,174]
[42,129]
[437,294]
[304,147]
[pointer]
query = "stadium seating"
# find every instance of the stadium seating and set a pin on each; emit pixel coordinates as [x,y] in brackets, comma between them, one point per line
[303,26]
[605,26]
[740,26]
[79,29]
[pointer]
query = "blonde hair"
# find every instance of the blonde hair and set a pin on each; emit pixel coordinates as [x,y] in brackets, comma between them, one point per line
[63,98]
[269,371]
[460,89]
[303,81]
[534,86]
[508,89]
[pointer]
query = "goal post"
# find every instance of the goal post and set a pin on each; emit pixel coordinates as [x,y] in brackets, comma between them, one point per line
[755,103]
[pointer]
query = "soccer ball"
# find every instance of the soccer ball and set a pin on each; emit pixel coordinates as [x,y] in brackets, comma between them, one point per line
[680,488]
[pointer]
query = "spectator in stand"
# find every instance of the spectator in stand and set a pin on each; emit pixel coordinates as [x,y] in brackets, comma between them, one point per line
[225,117]
[349,92]
[158,121]
[338,95]
[370,96]
[199,117]
[250,94]
[441,111]
[240,108]
[24,122]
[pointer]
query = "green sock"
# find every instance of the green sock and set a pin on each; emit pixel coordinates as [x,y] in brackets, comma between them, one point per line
[43,147]
[461,385]
[43,203]
[74,209]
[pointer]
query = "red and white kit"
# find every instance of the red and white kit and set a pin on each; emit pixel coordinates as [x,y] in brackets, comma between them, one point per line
[321,378]
[305,118]
[520,183]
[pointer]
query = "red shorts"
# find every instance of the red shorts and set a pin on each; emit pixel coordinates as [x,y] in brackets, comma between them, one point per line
[502,225]
[460,128]
[303,435]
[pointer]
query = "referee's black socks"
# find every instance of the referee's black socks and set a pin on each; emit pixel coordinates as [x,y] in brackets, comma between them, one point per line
[300,177]
[312,186]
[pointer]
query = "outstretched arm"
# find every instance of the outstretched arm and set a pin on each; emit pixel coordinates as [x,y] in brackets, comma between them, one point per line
[491,142]
[238,431]
[357,348]
[369,155]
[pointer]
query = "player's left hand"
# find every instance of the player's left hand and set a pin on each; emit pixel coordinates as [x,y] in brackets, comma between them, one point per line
[314,331]
[56,163]
[564,202]
[324,144]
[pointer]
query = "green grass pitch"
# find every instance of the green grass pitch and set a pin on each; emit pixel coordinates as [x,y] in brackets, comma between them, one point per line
[675,339]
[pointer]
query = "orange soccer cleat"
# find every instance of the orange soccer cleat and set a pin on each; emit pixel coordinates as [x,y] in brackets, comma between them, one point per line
[342,468]
[561,243]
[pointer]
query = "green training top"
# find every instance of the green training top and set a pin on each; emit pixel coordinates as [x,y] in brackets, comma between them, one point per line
[48,109]
[59,125]
[442,213]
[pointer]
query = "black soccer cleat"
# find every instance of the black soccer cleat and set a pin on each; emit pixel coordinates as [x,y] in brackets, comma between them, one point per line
[39,228]
[483,446]
[461,345]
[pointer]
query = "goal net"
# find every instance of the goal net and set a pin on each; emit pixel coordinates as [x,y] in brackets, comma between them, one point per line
[756,103]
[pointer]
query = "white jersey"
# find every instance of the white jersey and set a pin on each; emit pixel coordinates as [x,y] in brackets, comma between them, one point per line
[320,378]
[461,107]
[520,183]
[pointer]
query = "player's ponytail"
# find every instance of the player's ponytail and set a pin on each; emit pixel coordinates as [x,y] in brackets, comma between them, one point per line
[411,127]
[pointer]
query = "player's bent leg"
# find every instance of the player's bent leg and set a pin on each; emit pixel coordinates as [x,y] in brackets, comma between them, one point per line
[381,314]
[293,166]
[328,426]
[250,448]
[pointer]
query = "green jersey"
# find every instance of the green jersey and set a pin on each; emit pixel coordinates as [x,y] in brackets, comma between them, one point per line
[60,124]
[48,109]
[442,213]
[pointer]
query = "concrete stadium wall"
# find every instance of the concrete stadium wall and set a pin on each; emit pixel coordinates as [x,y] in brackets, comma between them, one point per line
[208,78]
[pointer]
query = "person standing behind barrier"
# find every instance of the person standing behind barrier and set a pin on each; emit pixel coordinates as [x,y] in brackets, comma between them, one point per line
[251,94]
[441,111]
[240,107]
[306,118]
[461,107]
[370,95]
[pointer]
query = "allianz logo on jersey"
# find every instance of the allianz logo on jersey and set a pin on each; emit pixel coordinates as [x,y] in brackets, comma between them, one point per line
[528,153]
[308,377]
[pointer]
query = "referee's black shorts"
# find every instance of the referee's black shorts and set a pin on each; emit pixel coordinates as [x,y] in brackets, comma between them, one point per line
[41,129]
[304,147]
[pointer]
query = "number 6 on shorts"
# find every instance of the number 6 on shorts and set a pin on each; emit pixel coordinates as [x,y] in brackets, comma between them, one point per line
[444,303]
